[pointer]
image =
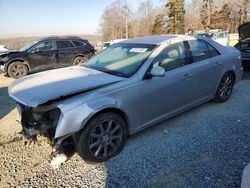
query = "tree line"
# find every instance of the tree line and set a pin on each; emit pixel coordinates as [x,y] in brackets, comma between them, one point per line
[172,17]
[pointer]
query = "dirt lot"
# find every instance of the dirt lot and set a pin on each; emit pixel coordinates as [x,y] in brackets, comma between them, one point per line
[24,164]
[205,147]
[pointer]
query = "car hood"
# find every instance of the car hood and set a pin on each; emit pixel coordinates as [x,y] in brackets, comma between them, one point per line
[244,31]
[5,53]
[40,88]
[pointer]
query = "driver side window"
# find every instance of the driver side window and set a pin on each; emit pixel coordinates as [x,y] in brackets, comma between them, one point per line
[172,57]
[43,46]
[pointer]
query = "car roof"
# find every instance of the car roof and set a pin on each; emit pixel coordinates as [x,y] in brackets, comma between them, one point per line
[63,38]
[154,39]
[160,39]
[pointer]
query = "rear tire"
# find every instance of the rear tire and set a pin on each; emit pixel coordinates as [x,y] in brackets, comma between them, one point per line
[17,69]
[225,88]
[80,60]
[103,137]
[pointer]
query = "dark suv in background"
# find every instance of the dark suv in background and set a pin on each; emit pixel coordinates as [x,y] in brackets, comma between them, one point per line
[45,54]
[244,44]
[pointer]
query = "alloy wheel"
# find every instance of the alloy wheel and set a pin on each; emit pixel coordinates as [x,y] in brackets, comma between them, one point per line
[105,139]
[226,87]
[18,70]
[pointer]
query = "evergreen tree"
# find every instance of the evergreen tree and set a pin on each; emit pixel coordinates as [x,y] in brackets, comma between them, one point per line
[175,12]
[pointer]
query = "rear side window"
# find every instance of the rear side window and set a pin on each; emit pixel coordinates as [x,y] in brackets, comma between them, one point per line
[78,43]
[213,51]
[199,50]
[64,44]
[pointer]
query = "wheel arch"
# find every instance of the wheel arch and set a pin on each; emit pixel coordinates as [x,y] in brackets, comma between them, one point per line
[87,55]
[116,110]
[18,59]
[232,72]
[228,71]
[79,55]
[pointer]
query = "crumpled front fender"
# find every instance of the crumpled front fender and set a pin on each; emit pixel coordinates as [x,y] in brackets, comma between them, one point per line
[75,119]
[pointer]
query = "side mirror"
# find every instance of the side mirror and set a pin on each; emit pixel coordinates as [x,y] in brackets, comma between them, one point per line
[157,72]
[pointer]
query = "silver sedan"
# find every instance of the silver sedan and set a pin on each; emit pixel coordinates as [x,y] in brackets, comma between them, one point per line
[132,85]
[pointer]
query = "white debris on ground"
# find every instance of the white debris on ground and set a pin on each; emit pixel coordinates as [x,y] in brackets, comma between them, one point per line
[58,160]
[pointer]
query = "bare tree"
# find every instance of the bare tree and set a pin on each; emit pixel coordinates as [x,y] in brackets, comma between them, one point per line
[114,21]
[192,16]
[118,21]
[244,10]
[146,15]
[237,13]
[206,14]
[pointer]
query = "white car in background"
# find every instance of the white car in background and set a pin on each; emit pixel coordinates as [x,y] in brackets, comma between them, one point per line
[3,49]
[109,43]
[221,37]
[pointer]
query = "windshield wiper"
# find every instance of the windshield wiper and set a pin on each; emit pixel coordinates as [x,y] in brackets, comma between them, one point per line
[106,71]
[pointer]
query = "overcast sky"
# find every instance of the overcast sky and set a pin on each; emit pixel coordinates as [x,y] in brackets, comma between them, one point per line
[53,17]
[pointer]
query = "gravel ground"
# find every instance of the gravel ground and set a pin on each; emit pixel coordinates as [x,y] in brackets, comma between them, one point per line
[206,147]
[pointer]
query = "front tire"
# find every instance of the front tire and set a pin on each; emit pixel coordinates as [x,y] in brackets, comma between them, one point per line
[17,69]
[225,88]
[103,137]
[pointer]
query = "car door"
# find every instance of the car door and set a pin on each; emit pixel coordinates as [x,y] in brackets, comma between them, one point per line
[162,96]
[42,55]
[206,69]
[66,52]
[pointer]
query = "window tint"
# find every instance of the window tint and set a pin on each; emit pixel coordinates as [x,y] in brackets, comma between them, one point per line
[42,46]
[78,43]
[172,57]
[106,45]
[199,50]
[221,35]
[213,51]
[64,44]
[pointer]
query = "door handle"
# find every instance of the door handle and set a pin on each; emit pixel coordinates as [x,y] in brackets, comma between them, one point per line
[186,76]
[217,64]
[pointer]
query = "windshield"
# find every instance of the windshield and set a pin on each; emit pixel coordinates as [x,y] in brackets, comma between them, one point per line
[121,59]
[27,46]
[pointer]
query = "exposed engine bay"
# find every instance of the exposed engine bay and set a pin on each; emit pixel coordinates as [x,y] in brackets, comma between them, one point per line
[43,121]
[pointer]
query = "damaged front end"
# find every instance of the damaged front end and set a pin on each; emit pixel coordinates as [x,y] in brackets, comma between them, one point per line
[43,120]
